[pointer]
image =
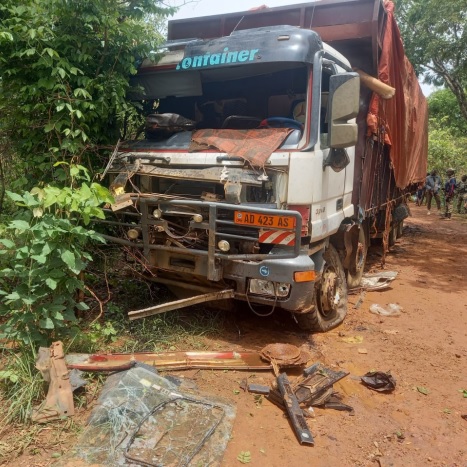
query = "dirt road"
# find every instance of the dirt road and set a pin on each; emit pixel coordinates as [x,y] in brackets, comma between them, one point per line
[426,347]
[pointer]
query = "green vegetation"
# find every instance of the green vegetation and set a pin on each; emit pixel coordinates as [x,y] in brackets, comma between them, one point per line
[435,40]
[447,138]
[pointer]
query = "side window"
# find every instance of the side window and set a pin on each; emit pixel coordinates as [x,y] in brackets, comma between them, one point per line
[323,116]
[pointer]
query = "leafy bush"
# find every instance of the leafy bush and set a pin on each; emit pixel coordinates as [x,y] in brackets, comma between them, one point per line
[42,253]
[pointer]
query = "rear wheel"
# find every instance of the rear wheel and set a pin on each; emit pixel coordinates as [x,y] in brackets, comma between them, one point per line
[330,296]
[357,266]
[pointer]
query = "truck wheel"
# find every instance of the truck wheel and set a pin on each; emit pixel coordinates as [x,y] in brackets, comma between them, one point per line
[355,271]
[400,228]
[330,296]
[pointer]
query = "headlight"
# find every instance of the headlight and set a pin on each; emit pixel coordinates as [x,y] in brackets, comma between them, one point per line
[133,234]
[224,246]
[261,287]
[157,213]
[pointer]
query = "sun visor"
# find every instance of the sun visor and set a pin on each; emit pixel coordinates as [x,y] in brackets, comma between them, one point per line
[157,85]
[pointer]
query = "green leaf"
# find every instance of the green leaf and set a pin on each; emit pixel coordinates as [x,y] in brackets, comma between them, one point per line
[7,243]
[19,224]
[422,390]
[39,258]
[46,323]
[51,283]
[8,374]
[15,197]
[69,259]
[12,296]
[58,316]
[61,72]
[81,306]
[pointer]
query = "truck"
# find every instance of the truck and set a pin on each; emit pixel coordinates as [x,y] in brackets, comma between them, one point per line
[270,159]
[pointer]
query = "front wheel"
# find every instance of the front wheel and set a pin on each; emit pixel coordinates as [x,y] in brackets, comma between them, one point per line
[330,296]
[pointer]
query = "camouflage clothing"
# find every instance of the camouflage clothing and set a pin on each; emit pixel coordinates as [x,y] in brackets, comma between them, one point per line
[461,191]
[449,191]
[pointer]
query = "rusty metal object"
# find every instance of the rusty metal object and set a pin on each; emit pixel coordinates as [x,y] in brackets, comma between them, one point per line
[284,355]
[176,305]
[59,400]
[294,411]
[169,361]
[315,386]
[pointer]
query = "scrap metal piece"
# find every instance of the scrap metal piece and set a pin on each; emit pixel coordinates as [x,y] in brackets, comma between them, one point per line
[169,361]
[315,386]
[379,381]
[122,201]
[59,400]
[177,304]
[294,411]
[258,389]
[284,355]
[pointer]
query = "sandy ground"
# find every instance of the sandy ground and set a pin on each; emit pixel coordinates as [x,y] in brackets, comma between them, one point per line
[425,347]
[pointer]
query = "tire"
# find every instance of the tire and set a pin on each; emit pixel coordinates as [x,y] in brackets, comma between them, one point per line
[330,295]
[355,271]
[400,229]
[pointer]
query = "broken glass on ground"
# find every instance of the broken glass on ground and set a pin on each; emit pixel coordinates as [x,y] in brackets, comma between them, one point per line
[142,418]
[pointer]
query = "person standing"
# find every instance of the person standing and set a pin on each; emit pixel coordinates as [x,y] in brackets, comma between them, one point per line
[461,191]
[433,184]
[449,192]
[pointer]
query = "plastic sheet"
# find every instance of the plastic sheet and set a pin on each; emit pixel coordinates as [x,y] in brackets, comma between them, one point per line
[142,418]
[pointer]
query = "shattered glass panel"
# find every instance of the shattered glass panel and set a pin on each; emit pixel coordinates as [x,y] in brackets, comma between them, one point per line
[142,418]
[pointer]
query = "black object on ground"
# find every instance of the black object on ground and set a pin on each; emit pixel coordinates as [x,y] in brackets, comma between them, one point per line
[379,381]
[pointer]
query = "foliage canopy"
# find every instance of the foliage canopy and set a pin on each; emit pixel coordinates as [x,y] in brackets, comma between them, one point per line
[435,39]
[65,68]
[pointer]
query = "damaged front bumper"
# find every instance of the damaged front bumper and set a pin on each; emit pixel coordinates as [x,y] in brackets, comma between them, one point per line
[266,274]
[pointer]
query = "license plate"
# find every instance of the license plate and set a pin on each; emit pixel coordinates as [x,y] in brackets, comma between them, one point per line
[263,220]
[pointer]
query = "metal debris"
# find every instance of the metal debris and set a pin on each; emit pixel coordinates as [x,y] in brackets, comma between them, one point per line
[59,400]
[294,411]
[169,361]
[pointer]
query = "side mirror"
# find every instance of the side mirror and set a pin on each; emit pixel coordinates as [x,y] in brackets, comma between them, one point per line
[343,105]
[337,159]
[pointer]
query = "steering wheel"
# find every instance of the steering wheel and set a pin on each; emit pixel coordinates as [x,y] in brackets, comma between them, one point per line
[283,122]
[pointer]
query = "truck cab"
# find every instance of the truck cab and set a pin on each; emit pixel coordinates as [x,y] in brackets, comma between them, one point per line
[245,181]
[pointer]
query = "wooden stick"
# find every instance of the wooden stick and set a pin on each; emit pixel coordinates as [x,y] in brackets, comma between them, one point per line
[376,85]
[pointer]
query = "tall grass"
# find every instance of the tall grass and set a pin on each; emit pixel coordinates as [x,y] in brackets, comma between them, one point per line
[21,385]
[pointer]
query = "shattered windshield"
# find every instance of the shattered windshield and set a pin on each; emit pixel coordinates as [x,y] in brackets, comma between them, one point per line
[238,97]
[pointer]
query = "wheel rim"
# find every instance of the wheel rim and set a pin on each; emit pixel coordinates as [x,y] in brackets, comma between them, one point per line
[329,293]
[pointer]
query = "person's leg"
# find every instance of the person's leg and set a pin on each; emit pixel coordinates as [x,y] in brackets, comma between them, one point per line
[438,201]
[429,196]
[448,209]
[459,203]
